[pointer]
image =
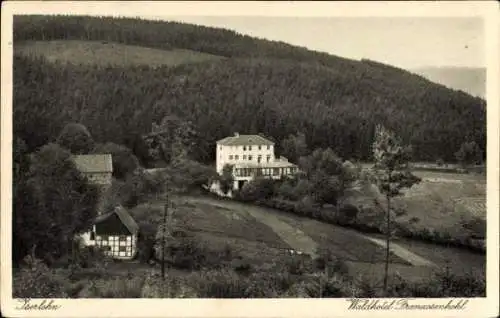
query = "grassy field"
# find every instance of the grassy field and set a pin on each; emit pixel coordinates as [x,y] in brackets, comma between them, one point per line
[257,241]
[218,226]
[104,53]
[441,201]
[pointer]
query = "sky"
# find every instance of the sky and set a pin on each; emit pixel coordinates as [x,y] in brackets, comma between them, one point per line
[404,42]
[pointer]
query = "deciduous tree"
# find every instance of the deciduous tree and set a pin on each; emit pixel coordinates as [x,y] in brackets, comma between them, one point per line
[76,138]
[294,146]
[53,204]
[226,179]
[468,154]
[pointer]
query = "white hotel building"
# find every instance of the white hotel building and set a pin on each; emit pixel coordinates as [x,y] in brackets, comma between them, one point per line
[250,156]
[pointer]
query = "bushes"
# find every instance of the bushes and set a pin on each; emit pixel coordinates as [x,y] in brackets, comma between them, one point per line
[185,251]
[220,284]
[441,284]
[476,227]
[114,288]
[328,262]
[146,241]
[36,280]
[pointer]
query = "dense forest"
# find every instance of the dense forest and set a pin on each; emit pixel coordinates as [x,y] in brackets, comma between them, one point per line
[262,87]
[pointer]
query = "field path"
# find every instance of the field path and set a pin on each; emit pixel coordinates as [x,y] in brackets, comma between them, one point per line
[402,252]
[299,240]
[294,237]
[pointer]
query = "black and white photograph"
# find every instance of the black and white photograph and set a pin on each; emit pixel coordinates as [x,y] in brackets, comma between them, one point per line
[248,156]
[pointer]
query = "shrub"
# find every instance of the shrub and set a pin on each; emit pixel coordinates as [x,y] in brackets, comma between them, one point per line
[475,227]
[440,284]
[298,265]
[189,175]
[184,250]
[221,283]
[327,261]
[146,241]
[348,213]
[241,266]
[114,288]
[36,280]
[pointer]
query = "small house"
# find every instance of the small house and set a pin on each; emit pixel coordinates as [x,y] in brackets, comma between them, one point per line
[116,232]
[98,168]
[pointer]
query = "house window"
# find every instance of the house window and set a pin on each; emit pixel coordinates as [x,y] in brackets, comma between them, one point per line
[276,171]
[249,147]
[236,157]
[230,157]
[259,158]
[244,157]
[244,148]
[268,158]
[123,238]
[260,147]
[92,236]
[122,249]
[268,147]
[250,157]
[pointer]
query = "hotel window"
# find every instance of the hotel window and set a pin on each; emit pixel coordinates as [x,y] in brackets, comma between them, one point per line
[260,147]
[230,157]
[244,148]
[276,171]
[249,147]
[250,157]
[259,158]
[236,157]
[122,248]
[123,238]
[268,158]
[244,157]
[268,147]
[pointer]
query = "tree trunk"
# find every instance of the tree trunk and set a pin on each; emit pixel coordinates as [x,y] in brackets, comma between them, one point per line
[387,241]
[165,211]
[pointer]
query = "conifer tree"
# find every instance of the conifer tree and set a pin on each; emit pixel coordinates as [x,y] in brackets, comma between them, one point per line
[392,174]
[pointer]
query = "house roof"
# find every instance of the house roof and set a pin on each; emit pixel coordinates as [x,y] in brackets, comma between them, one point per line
[124,217]
[245,140]
[94,163]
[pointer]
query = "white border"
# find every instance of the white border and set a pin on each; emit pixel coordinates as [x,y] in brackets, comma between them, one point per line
[481,307]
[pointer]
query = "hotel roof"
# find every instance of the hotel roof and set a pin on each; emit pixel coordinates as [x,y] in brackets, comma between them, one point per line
[245,140]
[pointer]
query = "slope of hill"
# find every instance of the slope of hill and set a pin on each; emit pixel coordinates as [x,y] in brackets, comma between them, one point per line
[260,87]
[108,53]
[467,79]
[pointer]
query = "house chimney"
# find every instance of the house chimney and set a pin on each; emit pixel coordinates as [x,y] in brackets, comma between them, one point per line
[236,134]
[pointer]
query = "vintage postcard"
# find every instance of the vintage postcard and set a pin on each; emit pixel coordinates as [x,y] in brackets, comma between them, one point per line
[250,159]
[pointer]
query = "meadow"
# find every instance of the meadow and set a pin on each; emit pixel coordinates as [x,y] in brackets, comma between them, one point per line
[109,54]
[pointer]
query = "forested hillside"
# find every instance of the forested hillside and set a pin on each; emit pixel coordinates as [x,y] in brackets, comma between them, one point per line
[261,87]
